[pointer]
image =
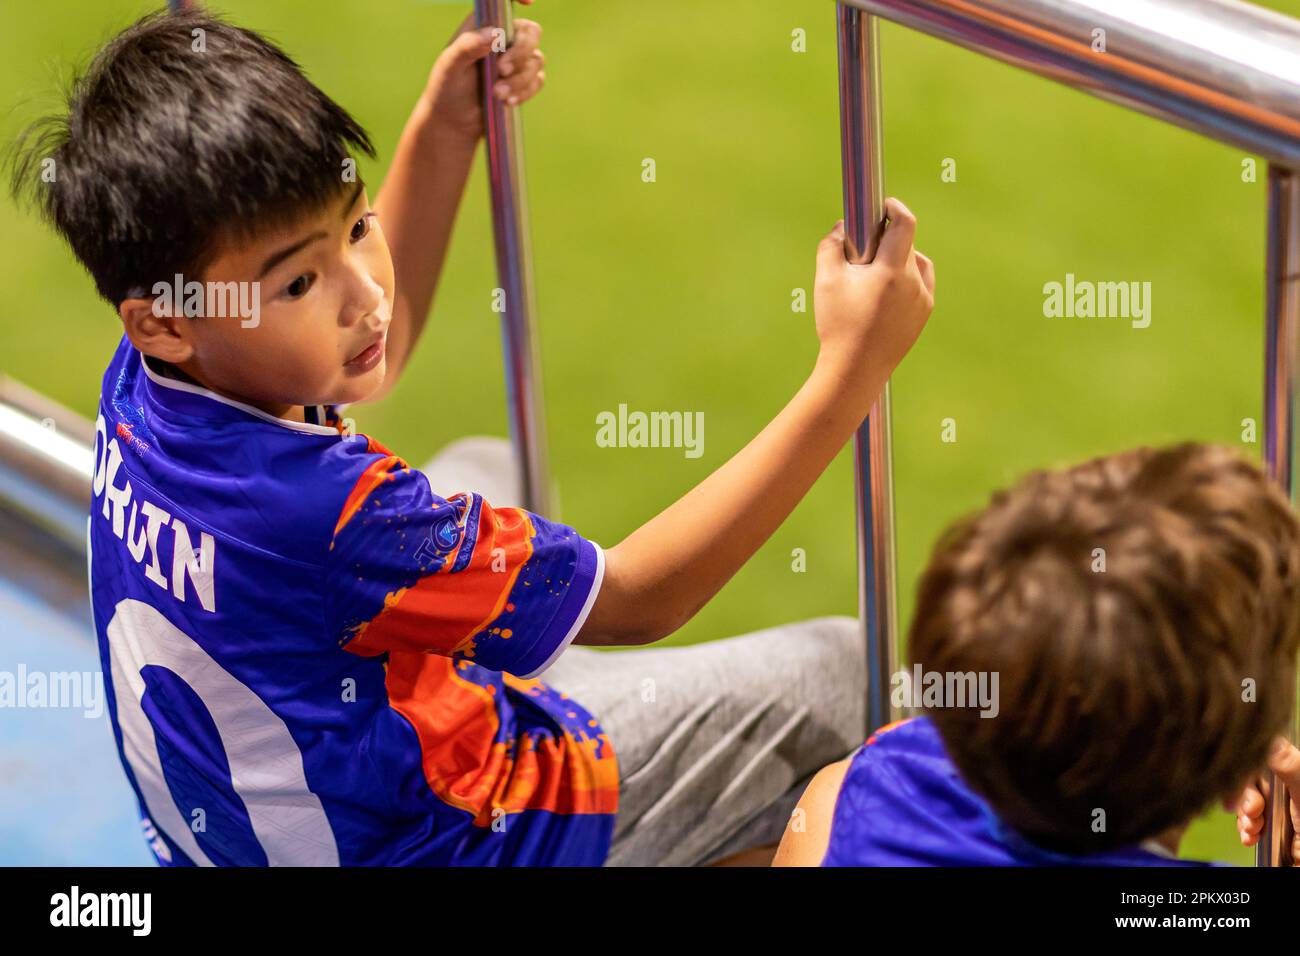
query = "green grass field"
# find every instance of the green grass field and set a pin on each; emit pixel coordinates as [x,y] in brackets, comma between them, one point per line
[675,295]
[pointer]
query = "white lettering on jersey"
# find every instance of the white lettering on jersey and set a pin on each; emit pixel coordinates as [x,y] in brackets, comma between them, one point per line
[156,519]
[133,544]
[118,497]
[198,566]
[101,441]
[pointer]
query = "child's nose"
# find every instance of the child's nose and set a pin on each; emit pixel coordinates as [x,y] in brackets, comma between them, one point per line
[365,301]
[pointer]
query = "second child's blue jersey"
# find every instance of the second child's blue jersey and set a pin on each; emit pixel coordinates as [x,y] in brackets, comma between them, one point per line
[311,658]
[904,803]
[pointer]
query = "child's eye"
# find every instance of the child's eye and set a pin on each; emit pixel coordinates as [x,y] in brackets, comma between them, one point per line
[298,287]
[361,228]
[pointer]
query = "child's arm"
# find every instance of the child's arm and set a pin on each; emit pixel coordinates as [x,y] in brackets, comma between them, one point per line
[418,202]
[808,834]
[867,318]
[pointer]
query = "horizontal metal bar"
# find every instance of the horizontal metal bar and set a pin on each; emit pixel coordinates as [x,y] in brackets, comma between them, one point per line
[45,471]
[1226,69]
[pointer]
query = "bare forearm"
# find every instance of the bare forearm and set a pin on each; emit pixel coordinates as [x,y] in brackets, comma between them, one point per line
[868,316]
[417,208]
[663,573]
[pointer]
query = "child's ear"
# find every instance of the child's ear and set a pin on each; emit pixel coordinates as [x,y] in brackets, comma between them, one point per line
[154,331]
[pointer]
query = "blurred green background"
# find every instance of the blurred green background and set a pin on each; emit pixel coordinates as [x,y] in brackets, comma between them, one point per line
[676,294]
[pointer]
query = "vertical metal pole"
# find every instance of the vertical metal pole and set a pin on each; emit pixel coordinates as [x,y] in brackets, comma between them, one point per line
[1281,339]
[505,152]
[864,202]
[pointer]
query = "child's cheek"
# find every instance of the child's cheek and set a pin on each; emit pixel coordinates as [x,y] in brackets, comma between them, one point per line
[381,264]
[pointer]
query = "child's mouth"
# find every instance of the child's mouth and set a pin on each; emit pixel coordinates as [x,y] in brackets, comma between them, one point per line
[368,357]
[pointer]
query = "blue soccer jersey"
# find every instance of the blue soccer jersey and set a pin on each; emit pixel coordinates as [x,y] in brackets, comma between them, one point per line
[312,658]
[903,803]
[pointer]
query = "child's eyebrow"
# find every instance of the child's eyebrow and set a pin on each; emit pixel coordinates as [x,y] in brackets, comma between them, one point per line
[276,258]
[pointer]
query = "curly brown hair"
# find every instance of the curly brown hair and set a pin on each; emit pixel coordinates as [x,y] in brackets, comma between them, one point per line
[1142,613]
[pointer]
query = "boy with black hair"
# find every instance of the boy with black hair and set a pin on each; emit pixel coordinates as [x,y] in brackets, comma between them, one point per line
[312,657]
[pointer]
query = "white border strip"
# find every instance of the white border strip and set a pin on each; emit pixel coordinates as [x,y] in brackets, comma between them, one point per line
[582,615]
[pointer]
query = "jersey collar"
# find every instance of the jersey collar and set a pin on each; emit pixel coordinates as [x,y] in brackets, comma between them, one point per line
[192,399]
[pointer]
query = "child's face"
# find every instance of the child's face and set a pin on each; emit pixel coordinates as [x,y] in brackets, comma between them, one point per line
[324,295]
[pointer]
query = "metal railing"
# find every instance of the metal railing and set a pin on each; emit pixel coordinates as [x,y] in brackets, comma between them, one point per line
[1226,69]
[1223,68]
[46,460]
[523,376]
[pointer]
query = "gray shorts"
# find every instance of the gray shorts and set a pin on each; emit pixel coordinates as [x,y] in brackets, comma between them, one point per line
[715,742]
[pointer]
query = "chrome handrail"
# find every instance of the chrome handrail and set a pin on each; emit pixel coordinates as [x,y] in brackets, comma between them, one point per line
[46,462]
[1222,68]
[510,229]
[1226,69]
[862,168]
